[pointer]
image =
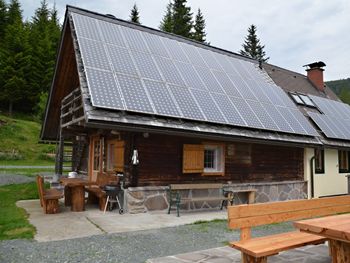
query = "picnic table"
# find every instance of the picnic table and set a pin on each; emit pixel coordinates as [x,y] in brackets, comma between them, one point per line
[74,193]
[336,229]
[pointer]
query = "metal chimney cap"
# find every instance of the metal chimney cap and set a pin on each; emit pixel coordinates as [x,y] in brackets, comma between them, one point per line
[318,64]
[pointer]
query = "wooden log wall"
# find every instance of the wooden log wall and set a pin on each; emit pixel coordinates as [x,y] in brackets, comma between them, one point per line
[161,162]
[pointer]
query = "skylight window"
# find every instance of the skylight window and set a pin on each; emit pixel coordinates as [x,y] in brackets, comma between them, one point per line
[297,99]
[302,99]
[307,100]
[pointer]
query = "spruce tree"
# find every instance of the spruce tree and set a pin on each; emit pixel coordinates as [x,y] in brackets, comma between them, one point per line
[199,33]
[135,15]
[3,21]
[182,18]
[167,22]
[252,47]
[14,58]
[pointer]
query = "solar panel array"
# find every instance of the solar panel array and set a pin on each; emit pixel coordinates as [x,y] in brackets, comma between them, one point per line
[335,118]
[133,70]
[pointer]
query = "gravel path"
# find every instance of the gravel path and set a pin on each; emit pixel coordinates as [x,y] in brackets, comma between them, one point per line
[131,247]
[14,179]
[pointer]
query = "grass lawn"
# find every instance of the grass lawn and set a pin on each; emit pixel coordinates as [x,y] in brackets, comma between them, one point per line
[19,139]
[31,172]
[13,220]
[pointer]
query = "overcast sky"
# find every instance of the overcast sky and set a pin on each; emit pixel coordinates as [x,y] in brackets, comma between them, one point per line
[294,32]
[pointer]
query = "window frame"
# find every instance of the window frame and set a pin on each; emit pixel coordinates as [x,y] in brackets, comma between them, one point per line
[220,159]
[340,169]
[320,170]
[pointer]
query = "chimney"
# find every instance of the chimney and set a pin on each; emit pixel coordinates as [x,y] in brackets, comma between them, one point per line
[315,74]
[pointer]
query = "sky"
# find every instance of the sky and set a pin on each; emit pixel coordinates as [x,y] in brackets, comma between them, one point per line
[294,33]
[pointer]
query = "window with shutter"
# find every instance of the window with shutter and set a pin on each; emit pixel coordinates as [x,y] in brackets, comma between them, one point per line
[115,156]
[193,158]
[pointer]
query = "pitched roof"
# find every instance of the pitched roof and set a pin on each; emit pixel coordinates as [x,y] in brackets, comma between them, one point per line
[134,75]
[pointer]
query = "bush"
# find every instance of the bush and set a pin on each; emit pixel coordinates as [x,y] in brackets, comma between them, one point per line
[8,156]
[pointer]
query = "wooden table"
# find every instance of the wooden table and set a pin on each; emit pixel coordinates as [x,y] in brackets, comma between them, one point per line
[74,193]
[336,228]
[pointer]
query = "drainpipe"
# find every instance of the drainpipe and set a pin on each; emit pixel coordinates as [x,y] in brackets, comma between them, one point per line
[312,176]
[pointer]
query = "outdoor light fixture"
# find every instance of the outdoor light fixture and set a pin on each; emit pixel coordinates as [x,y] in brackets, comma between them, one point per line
[135,158]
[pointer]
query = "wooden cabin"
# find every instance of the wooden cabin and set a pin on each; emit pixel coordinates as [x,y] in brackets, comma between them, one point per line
[161,109]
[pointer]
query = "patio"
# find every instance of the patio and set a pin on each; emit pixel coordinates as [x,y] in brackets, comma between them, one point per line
[69,225]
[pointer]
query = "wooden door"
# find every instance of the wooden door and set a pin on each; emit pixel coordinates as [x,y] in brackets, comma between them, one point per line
[95,159]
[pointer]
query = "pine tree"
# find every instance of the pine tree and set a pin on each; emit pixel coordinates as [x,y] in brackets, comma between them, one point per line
[199,33]
[182,18]
[135,15]
[167,22]
[3,21]
[252,47]
[14,58]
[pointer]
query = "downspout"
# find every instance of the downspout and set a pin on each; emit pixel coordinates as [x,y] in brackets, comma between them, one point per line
[312,176]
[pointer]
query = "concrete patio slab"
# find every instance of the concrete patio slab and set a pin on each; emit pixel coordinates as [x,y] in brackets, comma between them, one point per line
[69,224]
[226,254]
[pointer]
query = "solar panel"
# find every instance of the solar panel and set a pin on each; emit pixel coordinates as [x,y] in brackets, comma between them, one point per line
[189,75]
[209,80]
[262,115]
[228,109]
[94,54]
[150,73]
[209,59]
[134,39]
[169,71]
[146,66]
[208,106]
[86,26]
[186,103]
[155,45]
[104,89]
[248,115]
[193,55]
[226,83]
[121,60]
[111,33]
[174,50]
[161,98]
[134,94]
[334,121]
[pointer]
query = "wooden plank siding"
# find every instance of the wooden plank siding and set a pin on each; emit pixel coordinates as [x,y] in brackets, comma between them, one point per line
[161,162]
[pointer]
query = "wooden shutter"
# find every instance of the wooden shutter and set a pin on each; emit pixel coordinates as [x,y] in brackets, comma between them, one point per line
[193,158]
[118,162]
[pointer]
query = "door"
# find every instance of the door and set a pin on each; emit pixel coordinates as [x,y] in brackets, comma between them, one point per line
[95,157]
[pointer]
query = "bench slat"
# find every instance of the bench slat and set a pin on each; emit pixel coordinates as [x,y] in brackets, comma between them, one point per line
[286,206]
[273,244]
[252,221]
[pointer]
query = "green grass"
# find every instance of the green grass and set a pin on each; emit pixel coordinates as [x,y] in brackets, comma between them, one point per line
[31,172]
[13,220]
[20,143]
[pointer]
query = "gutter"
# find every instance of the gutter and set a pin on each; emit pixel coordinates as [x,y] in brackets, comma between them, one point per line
[312,176]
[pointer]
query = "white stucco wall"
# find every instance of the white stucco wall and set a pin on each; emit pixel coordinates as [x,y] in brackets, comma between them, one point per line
[331,182]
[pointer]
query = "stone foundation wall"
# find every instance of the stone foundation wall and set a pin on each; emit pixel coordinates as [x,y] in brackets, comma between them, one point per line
[150,198]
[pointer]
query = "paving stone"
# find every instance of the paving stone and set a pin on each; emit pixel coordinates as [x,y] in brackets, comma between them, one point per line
[193,256]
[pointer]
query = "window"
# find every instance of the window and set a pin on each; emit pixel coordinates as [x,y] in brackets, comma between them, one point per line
[307,100]
[319,161]
[213,159]
[297,99]
[302,99]
[207,159]
[343,159]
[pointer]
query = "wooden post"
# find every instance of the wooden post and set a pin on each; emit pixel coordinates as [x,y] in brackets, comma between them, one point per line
[251,197]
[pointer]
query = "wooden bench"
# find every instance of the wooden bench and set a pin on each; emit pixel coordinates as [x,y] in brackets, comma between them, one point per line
[95,191]
[176,198]
[258,249]
[48,197]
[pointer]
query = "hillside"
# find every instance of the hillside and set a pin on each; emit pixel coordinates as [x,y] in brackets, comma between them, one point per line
[341,87]
[19,143]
